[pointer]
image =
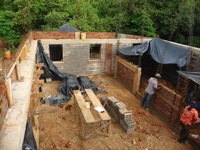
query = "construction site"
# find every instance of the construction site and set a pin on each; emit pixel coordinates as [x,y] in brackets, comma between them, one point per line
[83,91]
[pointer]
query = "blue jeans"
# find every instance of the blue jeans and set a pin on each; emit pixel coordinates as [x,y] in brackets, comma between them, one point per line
[189,97]
[146,99]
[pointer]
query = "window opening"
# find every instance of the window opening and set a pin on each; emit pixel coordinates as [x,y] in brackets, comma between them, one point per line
[95,51]
[56,52]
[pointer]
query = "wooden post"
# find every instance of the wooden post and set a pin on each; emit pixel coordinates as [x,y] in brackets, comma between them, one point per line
[115,73]
[108,58]
[8,92]
[18,73]
[136,81]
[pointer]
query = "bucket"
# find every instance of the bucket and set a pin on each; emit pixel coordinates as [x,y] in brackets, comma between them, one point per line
[83,36]
[8,55]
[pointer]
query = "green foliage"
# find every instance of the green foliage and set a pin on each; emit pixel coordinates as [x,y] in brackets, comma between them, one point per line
[54,20]
[196,40]
[7,32]
[170,20]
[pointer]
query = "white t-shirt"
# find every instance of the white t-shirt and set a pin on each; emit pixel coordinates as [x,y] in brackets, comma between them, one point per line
[153,83]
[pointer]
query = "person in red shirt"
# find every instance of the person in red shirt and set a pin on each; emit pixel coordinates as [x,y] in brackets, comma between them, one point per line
[189,116]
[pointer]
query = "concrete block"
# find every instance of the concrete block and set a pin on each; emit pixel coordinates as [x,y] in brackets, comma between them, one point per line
[122,112]
[112,101]
[119,105]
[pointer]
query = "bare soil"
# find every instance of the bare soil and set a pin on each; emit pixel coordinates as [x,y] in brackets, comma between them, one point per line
[61,130]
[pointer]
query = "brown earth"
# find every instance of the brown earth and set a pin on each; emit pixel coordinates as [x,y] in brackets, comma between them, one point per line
[61,130]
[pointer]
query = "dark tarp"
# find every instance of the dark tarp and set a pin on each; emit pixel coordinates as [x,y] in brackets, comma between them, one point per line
[135,50]
[50,70]
[67,28]
[194,76]
[29,142]
[161,51]
[85,83]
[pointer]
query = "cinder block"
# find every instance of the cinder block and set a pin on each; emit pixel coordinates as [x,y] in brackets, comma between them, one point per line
[129,123]
[127,115]
[122,112]
[112,101]
[119,105]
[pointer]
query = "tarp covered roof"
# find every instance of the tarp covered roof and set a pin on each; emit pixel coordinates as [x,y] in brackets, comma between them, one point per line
[67,28]
[194,76]
[161,51]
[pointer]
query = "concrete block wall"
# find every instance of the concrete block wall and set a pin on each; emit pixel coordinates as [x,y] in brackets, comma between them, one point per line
[76,59]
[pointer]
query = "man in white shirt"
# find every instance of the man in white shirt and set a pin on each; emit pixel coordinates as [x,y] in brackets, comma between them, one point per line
[149,91]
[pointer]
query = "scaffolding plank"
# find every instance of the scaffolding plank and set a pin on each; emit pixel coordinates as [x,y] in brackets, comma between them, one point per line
[95,101]
[89,118]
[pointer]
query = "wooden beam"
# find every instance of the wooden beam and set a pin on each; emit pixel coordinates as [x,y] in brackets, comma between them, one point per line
[136,81]
[8,93]
[39,65]
[39,72]
[18,73]
[38,81]
[38,94]
[95,101]
[11,69]
[115,73]
[127,64]
[89,118]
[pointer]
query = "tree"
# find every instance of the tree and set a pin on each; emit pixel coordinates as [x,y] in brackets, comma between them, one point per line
[7,31]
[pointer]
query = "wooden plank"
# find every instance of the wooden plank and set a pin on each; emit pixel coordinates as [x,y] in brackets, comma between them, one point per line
[136,81]
[167,102]
[39,94]
[95,101]
[39,65]
[115,72]
[85,111]
[39,72]
[38,81]
[8,93]
[18,73]
[127,64]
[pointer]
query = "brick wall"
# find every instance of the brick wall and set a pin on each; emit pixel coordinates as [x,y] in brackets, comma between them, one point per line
[71,35]
[125,75]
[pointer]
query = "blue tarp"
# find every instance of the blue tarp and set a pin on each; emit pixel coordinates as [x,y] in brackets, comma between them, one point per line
[194,76]
[161,51]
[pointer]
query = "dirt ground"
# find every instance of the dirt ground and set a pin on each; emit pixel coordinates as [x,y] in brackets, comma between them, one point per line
[61,130]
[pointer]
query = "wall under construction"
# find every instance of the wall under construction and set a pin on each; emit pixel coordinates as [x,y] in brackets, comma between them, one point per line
[76,60]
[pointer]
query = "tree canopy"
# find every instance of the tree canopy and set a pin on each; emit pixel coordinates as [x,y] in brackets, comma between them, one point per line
[171,20]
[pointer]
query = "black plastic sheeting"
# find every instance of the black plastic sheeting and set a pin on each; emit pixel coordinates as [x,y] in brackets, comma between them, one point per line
[67,28]
[69,82]
[29,142]
[50,70]
[85,83]
[58,100]
[161,51]
[194,76]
